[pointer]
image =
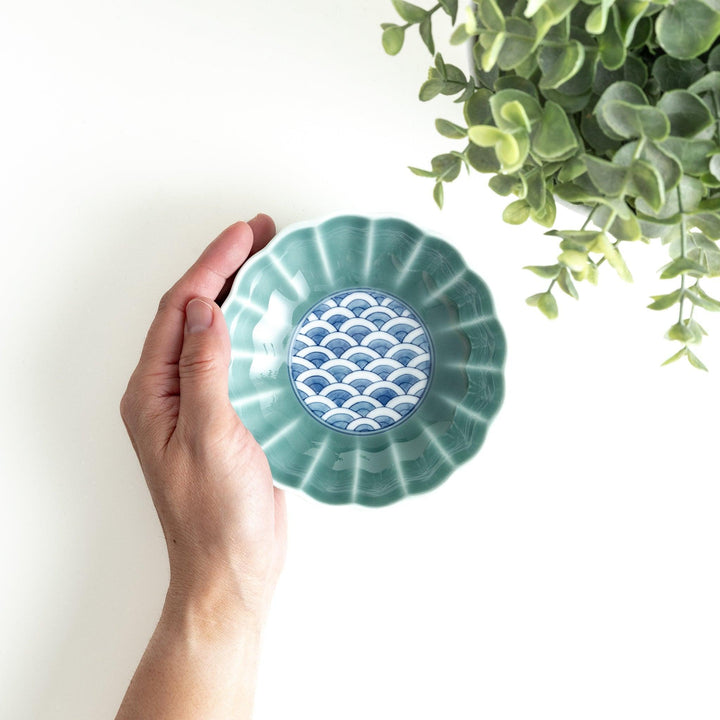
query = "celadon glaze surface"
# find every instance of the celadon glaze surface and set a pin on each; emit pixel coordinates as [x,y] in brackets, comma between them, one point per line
[421,278]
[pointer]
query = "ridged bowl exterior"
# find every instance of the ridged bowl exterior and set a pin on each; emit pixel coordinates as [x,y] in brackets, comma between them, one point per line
[304,264]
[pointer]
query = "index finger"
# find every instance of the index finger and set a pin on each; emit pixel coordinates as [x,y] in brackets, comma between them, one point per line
[205,278]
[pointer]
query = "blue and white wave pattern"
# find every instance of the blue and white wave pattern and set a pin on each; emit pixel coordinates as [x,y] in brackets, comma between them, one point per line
[360,361]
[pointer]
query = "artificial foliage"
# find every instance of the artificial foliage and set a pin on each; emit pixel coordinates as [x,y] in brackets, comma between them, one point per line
[608,104]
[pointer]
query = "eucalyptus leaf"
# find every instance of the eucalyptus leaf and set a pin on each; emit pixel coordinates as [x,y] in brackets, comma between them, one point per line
[647,183]
[566,284]
[451,8]
[477,108]
[426,33]
[663,302]
[409,12]
[559,64]
[446,167]
[534,191]
[546,215]
[549,272]
[517,212]
[439,194]
[392,39]
[610,44]
[687,28]
[554,137]
[546,303]
[687,113]
[672,73]
[490,15]
[695,361]
[518,43]
[630,121]
[692,155]
[449,129]
[682,266]
[504,184]
[608,177]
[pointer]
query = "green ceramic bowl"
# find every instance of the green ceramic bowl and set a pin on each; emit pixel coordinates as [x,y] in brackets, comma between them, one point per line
[366,358]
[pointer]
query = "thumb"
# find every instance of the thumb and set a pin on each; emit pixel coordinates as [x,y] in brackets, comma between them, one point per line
[203,364]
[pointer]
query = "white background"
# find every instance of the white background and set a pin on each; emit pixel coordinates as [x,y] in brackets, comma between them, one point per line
[570,570]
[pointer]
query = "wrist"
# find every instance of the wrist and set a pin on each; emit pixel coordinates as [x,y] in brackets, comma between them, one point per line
[211,611]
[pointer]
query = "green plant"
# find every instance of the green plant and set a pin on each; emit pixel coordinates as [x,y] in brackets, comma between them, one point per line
[609,104]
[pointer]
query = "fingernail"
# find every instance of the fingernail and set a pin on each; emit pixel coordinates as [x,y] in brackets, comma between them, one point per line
[198,316]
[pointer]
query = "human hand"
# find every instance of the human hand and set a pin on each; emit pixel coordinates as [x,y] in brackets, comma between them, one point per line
[224,523]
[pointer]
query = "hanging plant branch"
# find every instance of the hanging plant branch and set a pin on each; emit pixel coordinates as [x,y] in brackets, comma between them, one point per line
[609,105]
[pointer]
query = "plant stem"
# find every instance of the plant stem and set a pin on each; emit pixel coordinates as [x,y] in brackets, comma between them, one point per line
[682,252]
[589,217]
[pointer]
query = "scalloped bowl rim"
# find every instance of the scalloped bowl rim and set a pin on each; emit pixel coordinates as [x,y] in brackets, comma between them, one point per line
[426,230]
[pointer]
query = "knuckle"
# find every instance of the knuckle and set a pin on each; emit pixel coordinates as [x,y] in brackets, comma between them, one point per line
[168,300]
[196,365]
[128,405]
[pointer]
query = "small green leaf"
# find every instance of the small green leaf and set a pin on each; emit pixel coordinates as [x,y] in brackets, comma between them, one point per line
[631,121]
[572,168]
[449,129]
[392,39]
[680,332]
[681,266]
[647,184]
[529,104]
[489,57]
[460,35]
[518,45]
[548,272]
[692,154]
[546,215]
[446,167]
[516,213]
[701,299]
[695,361]
[451,8]
[534,188]
[513,113]
[597,19]
[477,108]
[548,305]
[617,262]
[483,159]
[438,194]
[545,302]
[623,91]
[576,260]
[680,353]
[672,73]
[610,44]
[687,113]
[409,12]
[559,64]
[554,138]
[566,284]
[508,148]
[663,302]
[422,173]
[707,82]
[607,177]
[503,184]
[622,228]
[430,89]
[687,28]
[490,15]
[426,33]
